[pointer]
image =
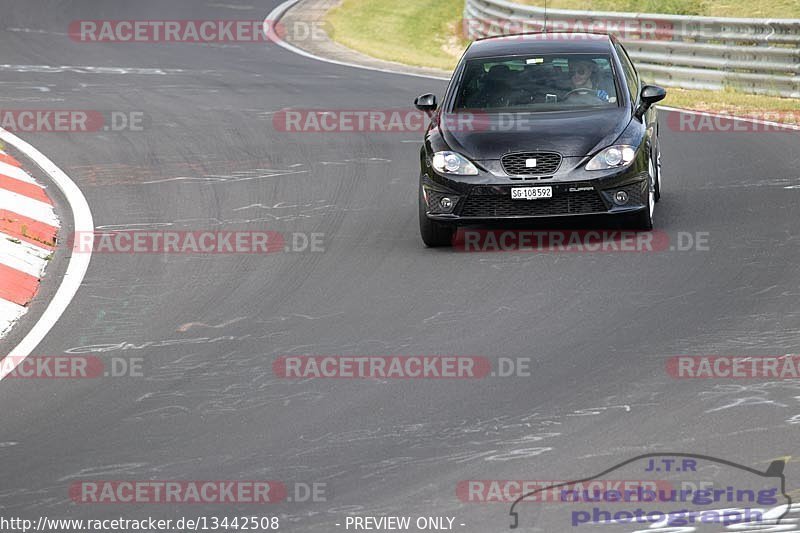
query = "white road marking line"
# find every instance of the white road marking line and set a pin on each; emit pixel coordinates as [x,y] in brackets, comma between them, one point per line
[278,12]
[25,206]
[231,6]
[78,263]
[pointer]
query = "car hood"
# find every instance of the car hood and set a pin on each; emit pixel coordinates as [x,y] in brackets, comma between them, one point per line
[485,136]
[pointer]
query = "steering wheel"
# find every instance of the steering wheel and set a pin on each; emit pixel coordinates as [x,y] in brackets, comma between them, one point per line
[580,90]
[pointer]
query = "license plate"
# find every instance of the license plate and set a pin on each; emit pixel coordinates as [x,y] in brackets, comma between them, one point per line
[531,193]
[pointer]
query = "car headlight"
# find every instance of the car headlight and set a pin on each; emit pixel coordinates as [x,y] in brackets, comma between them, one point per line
[612,157]
[453,163]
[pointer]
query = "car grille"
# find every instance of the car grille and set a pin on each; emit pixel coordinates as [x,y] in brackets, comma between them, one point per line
[491,202]
[546,163]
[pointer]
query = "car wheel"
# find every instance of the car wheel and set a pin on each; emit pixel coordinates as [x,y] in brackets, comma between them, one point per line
[434,234]
[643,220]
[658,174]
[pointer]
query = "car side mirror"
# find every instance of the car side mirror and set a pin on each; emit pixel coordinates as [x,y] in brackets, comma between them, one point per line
[426,102]
[650,95]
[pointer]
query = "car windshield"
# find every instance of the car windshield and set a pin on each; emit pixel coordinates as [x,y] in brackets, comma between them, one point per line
[537,83]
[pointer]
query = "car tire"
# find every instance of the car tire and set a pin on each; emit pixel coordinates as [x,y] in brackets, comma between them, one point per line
[643,220]
[434,234]
[658,174]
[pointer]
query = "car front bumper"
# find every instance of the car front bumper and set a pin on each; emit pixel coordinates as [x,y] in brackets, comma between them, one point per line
[476,198]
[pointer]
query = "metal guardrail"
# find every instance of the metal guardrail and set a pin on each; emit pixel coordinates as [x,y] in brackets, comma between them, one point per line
[759,56]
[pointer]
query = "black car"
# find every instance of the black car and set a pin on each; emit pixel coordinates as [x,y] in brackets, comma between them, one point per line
[540,125]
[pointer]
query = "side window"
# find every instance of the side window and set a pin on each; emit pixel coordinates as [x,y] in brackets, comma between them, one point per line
[631,78]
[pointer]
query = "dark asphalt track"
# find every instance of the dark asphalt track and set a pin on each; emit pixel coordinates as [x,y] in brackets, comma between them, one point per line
[598,327]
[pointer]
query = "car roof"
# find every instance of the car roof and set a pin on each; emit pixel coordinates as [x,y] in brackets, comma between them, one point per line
[540,43]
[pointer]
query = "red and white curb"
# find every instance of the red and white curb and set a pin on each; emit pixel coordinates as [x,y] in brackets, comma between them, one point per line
[28,227]
[77,265]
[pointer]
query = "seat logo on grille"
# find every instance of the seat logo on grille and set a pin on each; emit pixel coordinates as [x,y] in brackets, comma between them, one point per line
[530,163]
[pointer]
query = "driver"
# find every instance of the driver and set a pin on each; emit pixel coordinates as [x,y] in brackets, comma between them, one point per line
[583,75]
